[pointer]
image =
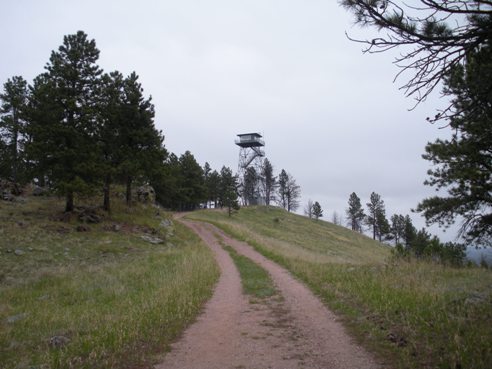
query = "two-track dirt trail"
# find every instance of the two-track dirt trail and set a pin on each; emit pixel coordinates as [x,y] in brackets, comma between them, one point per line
[290,330]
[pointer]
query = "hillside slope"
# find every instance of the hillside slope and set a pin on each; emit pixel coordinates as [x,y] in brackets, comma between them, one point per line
[109,294]
[414,314]
[296,236]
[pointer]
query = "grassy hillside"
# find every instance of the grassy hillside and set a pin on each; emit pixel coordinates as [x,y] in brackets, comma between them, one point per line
[299,237]
[413,314]
[78,295]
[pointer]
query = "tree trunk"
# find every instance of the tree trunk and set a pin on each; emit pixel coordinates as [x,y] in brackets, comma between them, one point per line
[69,202]
[15,138]
[107,186]
[129,191]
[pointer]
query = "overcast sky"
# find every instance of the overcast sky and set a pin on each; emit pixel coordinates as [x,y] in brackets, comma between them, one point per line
[330,115]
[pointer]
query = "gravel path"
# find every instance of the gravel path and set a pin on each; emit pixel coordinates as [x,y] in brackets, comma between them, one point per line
[290,330]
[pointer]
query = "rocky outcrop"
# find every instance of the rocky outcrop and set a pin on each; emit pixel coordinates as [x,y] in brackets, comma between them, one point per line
[146,194]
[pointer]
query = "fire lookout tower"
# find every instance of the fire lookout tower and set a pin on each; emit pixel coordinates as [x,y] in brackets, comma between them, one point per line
[251,155]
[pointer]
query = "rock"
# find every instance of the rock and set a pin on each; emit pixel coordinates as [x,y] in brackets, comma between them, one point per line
[153,240]
[14,318]
[82,228]
[9,188]
[59,341]
[116,228]
[89,216]
[8,197]
[166,223]
[19,252]
[146,194]
[39,191]
[475,298]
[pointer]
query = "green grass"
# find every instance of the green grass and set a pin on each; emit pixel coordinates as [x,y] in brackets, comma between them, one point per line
[411,314]
[255,280]
[119,299]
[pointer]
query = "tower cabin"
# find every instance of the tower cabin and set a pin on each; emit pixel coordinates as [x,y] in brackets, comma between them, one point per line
[250,140]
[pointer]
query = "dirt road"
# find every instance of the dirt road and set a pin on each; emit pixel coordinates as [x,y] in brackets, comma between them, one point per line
[290,330]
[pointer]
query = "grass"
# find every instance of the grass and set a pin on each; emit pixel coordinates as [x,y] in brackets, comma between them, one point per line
[411,314]
[255,280]
[119,300]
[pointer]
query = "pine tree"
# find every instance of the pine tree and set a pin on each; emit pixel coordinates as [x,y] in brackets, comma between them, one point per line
[213,187]
[249,191]
[268,180]
[67,139]
[192,186]
[167,185]
[462,165]
[355,213]
[12,125]
[317,211]
[409,232]
[376,217]
[289,191]
[110,130]
[228,195]
[397,227]
[144,150]
[435,35]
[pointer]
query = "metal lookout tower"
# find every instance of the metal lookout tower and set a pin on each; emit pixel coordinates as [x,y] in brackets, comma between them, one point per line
[251,155]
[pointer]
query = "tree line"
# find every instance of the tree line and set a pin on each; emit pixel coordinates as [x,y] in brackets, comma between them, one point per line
[282,189]
[78,131]
[400,229]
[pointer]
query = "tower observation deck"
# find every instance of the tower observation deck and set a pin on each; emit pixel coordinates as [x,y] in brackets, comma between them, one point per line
[251,155]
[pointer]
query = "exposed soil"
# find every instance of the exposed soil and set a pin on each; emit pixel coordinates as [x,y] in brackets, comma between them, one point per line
[292,329]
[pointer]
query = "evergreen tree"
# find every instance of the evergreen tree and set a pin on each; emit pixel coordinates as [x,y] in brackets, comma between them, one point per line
[144,151]
[192,190]
[213,187]
[42,113]
[355,213]
[289,191]
[110,130]
[283,180]
[68,139]
[249,191]
[228,190]
[376,217]
[397,228]
[317,211]
[12,125]
[167,185]
[409,232]
[268,180]
[463,164]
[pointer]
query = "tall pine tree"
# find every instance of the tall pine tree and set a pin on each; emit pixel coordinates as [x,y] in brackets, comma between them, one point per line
[68,139]
[355,213]
[13,126]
